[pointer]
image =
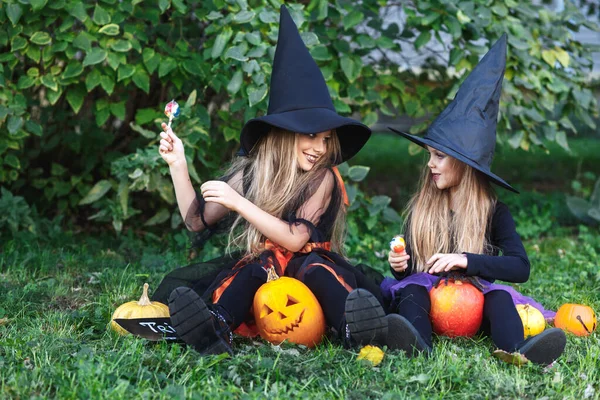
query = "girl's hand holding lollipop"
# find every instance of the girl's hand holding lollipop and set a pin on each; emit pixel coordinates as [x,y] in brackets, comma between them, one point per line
[398,258]
[171,147]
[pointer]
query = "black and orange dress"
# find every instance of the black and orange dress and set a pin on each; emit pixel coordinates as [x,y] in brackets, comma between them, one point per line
[230,282]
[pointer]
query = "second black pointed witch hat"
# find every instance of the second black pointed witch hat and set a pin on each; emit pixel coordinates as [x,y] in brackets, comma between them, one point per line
[299,100]
[466,129]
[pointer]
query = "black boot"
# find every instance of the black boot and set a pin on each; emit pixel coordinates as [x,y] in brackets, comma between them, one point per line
[365,320]
[402,335]
[197,325]
[544,348]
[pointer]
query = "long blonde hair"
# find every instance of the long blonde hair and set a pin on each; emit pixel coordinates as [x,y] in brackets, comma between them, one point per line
[274,181]
[432,227]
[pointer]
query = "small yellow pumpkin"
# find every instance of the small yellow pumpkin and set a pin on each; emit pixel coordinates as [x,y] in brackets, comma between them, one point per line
[286,309]
[144,308]
[533,320]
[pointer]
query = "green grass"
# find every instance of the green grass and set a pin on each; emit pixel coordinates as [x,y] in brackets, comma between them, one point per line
[58,298]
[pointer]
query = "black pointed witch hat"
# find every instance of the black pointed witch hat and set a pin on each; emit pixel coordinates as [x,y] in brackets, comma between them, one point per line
[299,100]
[466,129]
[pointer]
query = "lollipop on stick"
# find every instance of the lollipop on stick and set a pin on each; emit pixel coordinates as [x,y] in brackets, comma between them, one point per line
[171,111]
[397,245]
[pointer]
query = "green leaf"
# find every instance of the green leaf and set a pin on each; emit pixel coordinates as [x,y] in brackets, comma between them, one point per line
[562,56]
[122,46]
[113,60]
[321,53]
[243,17]
[37,5]
[50,82]
[40,38]
[549,56]
[146,115]
[220,42]
[350,68]
[75,97]
[18,43]
[561,139]
[358,172]
[54,95]
[456,54]
[191,100]
[125,71]
[352,19]
[96,56]
[151,59]
[500,10]
[167,65]
[309,39]
[33,128]
[107,83]
[370,119]
[142,79]
[462,18]
[235,83]
[256,94]
[144,132]
[92,80]
[25,82]
[97,192]
[78,11]
[101,16]
[82,41]
[123,195]
[236,53]
[161,216]
[73,69]
[422,39]
[118,109]
[14,124]
[12,161]
[163,5]
[102,116]
[14,12]
[110,30]
[253,38]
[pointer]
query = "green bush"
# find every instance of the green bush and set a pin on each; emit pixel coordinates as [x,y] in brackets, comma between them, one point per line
[83,84]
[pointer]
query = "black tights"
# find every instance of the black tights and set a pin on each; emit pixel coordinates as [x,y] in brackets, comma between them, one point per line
[236,301]
[501,320]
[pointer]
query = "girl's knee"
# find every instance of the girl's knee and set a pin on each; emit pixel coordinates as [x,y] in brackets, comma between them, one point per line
[498,297]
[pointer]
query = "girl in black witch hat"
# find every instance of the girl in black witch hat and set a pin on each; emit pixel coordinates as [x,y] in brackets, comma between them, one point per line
[288,201]
[455,224]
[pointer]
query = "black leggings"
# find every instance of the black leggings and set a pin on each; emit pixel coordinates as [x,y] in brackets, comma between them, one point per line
[501,320]
[236,301]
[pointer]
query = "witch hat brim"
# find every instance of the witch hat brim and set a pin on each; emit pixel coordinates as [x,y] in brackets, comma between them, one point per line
[424,141]
[351,134]
[299,100]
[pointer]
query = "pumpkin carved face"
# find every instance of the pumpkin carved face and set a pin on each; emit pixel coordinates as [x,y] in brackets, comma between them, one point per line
[285,309]
[576,318]
[456,309]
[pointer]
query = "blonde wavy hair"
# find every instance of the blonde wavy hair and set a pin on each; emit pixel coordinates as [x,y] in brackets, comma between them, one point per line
[432,227]
[275,182]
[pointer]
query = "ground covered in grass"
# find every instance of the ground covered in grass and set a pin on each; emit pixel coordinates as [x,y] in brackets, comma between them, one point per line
[56,300]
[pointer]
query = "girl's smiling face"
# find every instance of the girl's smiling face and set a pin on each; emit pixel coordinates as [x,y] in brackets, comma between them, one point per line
[443,169]
[310,148]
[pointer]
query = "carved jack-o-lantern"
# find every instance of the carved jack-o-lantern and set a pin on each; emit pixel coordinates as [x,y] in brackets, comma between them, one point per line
[285,309]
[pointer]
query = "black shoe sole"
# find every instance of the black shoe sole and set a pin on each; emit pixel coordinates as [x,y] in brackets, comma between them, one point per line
[365,318]
[546,347]
[402,335]
[193,322]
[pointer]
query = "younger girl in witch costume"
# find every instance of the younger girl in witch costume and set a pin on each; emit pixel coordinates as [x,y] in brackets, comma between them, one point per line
[288,200]
[455,223]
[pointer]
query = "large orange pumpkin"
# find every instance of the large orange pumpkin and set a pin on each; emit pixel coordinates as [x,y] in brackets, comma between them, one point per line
[456,309]
[286,309]
[576,318]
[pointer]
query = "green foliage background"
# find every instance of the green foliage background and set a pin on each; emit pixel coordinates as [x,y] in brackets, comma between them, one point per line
[83,85]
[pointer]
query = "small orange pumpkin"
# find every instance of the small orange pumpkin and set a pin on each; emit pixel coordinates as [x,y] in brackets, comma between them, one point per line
[456,309]
[286,309]
[576,318]
[533,320]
